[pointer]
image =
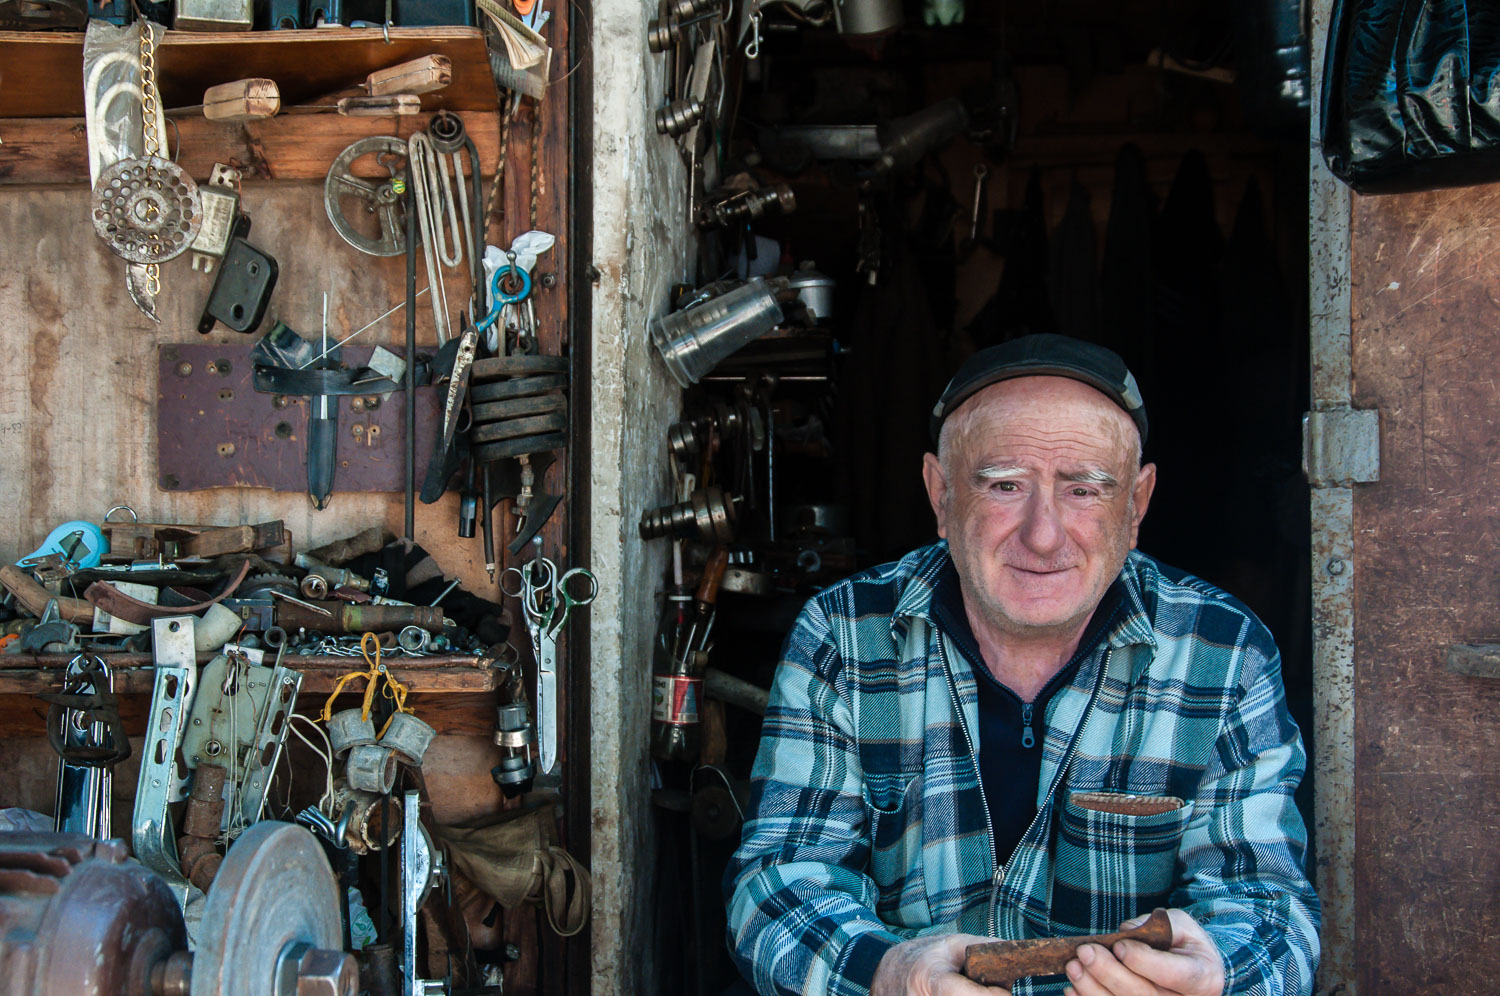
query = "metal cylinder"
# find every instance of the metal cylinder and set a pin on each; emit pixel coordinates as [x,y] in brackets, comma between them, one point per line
[693,341]
[314,586]
[678,117]
[371,822]
[708,514]
[343,618]
[413,639]
[866,17]
[349,728]
[514,735]
[371,768]
[409,737]
[661,34]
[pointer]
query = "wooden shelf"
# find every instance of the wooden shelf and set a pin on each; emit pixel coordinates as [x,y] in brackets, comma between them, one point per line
[43,75]
[28,674]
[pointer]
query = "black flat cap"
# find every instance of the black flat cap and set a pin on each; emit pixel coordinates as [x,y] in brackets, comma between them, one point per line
[1043,355]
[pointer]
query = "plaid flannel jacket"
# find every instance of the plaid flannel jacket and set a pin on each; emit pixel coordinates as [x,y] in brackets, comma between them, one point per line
[868,825]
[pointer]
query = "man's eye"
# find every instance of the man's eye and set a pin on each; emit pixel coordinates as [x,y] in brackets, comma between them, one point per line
[1081,492]
[1007,486]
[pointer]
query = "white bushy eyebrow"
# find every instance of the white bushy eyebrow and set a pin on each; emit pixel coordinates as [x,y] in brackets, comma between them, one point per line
[995,472]
[1092,476]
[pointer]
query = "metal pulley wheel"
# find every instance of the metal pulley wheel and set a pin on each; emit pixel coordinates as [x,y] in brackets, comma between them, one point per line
[382,199]
[274,904]
[147,210]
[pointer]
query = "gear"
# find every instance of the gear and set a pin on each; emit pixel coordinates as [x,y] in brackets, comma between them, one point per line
[257,584]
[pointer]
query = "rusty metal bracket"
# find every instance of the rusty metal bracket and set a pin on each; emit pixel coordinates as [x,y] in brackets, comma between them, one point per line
[1341,447]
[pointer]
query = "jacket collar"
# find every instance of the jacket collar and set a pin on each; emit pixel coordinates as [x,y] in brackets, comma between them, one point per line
[924,566]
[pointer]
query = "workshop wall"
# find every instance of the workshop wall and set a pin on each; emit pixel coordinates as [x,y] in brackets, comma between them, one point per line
[641,245]
[78,399]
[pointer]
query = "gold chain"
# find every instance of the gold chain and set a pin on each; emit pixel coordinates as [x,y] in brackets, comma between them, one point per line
[150,121]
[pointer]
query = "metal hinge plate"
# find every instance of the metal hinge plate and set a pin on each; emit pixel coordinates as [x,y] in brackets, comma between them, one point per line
[1340,447]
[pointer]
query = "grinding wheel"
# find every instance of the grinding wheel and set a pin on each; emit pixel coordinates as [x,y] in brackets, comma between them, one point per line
[274,889]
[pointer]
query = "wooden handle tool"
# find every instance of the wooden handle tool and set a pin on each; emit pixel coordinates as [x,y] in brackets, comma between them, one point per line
[1001,963]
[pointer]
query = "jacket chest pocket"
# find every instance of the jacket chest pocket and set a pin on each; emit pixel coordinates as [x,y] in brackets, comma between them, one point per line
[1111,866]
[893,808]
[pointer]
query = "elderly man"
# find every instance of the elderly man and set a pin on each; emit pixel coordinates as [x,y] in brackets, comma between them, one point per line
[1027,730]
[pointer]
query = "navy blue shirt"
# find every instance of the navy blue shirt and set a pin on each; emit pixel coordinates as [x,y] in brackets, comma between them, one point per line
[1010,734]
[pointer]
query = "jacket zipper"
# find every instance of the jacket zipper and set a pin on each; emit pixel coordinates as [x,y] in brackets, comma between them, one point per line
[993,918]
[989,826]
[1028,738]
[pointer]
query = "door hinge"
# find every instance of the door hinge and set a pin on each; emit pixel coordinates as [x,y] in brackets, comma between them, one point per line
[1340,447]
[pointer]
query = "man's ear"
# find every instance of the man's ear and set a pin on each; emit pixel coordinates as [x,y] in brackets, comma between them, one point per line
[1145,484]
[936,480]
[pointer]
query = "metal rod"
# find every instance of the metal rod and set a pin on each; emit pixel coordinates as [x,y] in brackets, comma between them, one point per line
[351,335]
[411,376]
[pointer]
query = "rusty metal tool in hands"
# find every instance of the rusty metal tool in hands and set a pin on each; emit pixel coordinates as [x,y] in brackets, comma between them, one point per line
[1001,963]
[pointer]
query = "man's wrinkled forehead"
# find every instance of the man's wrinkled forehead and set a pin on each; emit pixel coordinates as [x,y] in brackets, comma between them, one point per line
[1054,407]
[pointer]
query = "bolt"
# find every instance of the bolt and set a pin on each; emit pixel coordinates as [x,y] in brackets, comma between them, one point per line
[549,280]
[321,972]
[223,366]
[278,401]
[372,402]
[184,368]
[357,405]
[1336,566]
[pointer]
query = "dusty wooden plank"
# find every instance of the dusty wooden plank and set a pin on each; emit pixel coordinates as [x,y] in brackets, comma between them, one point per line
[470,714]
[44,72]
[133,674]
[286,147]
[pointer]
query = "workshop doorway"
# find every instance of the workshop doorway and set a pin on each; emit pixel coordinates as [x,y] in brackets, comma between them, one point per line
[1134,174]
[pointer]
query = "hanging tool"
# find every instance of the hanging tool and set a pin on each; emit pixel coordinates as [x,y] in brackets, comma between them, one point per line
[1001,963]
[547,602]
[323,432]
[443,462]
[84,727]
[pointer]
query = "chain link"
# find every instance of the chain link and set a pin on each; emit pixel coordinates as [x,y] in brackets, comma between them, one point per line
[150,123]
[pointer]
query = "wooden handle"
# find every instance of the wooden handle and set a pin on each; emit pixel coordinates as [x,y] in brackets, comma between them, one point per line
[424,75]
[380,106]
[1001,963]
[34,598]
[242,100]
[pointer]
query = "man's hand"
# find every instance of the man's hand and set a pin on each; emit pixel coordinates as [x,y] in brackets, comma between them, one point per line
[1193,967]
[929,966]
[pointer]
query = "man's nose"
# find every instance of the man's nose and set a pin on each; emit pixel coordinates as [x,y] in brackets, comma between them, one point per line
[1042,529]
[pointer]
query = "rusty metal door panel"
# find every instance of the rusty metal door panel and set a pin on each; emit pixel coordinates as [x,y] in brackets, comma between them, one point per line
[1426,306]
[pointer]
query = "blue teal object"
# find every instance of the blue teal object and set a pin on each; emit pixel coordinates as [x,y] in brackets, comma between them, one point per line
[501,298]
[82,545]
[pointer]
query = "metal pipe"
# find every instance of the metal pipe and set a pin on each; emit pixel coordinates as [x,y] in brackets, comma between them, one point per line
[411,365]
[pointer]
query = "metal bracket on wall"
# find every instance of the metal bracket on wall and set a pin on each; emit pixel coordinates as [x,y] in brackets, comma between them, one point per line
[1341,447]
[176,673]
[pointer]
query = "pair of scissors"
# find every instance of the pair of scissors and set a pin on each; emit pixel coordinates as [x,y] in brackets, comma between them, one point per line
[547,599]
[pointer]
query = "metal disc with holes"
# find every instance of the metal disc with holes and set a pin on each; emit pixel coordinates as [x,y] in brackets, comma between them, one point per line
[382,198]
[274,889]
[147,210]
